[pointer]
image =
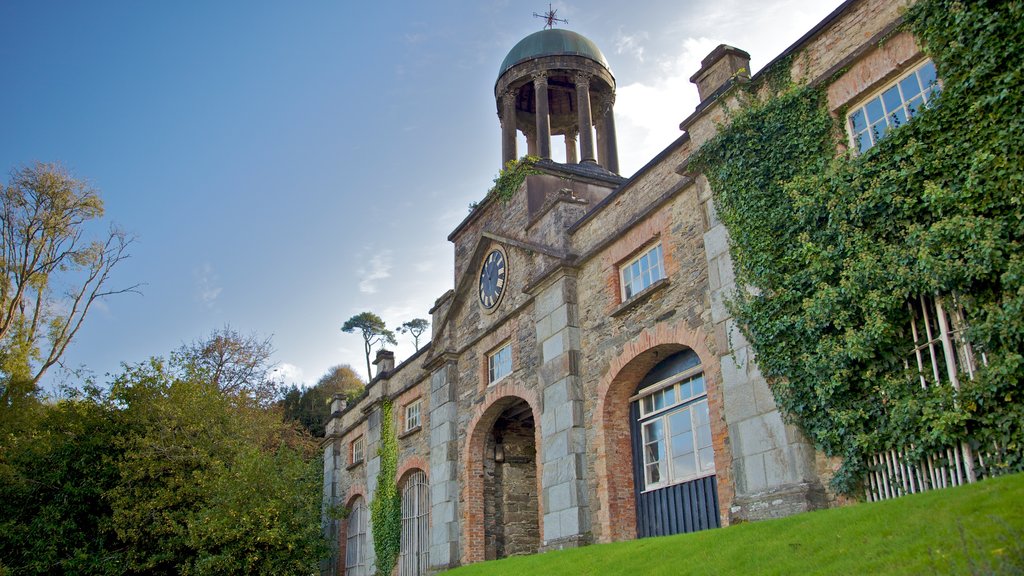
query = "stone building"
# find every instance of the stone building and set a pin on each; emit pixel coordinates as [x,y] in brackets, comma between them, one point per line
[585,381]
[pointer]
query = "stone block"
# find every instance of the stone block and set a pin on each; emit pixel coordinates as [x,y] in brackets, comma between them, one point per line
[760,434]
[726,271]
[714,280]
[711,212]
[552,526]
[442,433]
[442,414]
[548,422]
[569,414]
[763,395]
[739,403]
[754,479]
[557,497]
[719,312]
[545,329]
[560,317]
[569,522]
[556,446]
[556,394]
[734,369]
[553,346]
[716,241]
[778,468]
[442,395]
[444,511]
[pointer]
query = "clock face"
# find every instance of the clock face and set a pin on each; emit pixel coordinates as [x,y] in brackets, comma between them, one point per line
[492,279]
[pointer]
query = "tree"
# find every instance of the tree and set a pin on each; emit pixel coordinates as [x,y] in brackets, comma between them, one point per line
[310,406]
[232,362]
[51,273]
[373,331]
[415,328]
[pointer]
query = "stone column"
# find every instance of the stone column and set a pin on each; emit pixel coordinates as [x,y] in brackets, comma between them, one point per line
[540,90]
[570,146]
[508,126]
[563,430]
[585,119]
[444,480]
[531,142]
[607,145]
[772,461]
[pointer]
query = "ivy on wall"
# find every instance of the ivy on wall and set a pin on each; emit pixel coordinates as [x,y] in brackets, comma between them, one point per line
[829,248]
[386,507]
[512,176]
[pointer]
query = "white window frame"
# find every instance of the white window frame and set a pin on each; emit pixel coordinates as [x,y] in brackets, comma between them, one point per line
[357,455]
[658,403]
[876,129]
[493,377]
[413,411]
[638,273]
[355,540]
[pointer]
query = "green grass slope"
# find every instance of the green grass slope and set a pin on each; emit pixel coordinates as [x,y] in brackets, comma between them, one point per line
[976,529]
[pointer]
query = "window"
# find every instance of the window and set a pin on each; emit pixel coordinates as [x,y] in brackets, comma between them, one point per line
[676,431]
[642,271]
[412,558]
[412,415]
[355,539]
[357,450]
[499,364]
[893,106]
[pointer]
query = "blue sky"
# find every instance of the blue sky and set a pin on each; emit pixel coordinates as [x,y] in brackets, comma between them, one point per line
[286,165]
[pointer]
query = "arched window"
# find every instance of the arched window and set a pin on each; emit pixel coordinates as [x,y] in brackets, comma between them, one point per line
[674,459]
[355,540]
[412,559]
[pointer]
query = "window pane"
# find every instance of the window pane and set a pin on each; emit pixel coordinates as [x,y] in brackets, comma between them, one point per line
[648,405]
[857,122]
[685,390]
[707,459]
[680,422]
[653,474]
[863,142]
[698,384]
[684,466]
[879,130]
[703,436]
[898,118]
[654,431]
[910,86]
[874,110]
[700,413]
[892,100]
[659,400]
[927,74]
[670,396]
[682,444]
[914,106]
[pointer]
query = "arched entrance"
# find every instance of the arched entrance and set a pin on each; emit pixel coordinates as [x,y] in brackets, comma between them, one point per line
[511,519]
[674,479]
[412,559]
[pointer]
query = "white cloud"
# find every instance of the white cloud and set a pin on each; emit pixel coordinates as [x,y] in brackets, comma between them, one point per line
[207,285]
[379,269]
[288,373]
[630,44]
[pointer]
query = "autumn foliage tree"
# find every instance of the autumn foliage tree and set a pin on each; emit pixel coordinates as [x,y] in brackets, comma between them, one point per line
[51,272]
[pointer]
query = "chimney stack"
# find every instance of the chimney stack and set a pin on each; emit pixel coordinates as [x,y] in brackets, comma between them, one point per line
[385,362]
[718,68]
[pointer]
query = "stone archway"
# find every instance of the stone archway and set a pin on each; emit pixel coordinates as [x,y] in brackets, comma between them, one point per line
[614,462]
[502,509]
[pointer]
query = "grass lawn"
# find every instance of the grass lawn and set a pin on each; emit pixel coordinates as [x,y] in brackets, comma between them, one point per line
[976,529]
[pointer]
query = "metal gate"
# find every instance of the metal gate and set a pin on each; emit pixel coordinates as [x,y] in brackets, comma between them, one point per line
[412,560]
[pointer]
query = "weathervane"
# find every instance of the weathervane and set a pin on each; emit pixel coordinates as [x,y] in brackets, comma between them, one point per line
[549,17]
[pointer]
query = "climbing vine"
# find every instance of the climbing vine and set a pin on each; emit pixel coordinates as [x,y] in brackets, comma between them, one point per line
[512,176]
[829,248]
[386,507]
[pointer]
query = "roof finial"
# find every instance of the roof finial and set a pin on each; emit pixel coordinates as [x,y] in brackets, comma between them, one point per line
[549,17]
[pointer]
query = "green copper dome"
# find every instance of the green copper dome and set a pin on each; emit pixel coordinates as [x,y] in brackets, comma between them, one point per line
[552,42]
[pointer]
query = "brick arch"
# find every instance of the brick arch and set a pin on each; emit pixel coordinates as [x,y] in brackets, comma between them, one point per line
[410,465]
[614,462]
[496,401]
